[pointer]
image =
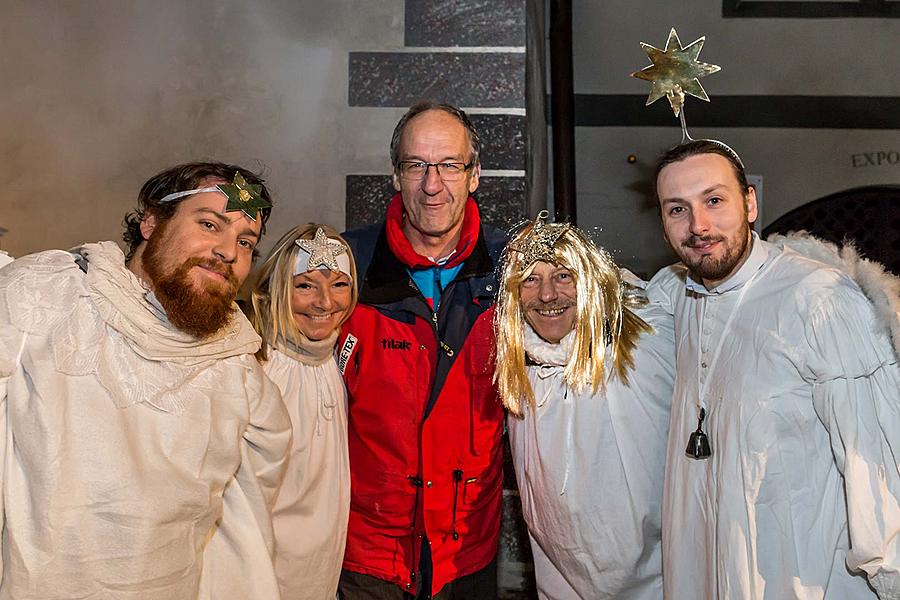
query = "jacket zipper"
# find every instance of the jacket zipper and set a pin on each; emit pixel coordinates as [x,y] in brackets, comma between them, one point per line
[457,479]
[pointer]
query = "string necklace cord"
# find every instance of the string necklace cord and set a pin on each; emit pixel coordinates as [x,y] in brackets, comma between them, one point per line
[702,401]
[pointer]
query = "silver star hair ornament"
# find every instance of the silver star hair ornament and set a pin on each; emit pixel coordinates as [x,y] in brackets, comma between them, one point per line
[323,251]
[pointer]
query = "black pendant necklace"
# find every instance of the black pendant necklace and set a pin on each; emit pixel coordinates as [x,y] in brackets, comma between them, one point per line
[698,444]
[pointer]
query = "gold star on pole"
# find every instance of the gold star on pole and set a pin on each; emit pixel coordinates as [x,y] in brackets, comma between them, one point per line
[243,196]
[538,244]
[675,71]
[323,251]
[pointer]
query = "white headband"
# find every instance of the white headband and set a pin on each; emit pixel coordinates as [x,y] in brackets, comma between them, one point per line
[177,195]
[241,195]
[322,252]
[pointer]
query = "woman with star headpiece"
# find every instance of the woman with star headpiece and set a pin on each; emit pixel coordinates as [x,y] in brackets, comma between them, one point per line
[307,289]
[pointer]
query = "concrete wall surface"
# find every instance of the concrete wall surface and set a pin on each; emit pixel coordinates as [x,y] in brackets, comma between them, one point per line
[98,95]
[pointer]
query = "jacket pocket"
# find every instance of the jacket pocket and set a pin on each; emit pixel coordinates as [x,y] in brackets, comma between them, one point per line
[386,501]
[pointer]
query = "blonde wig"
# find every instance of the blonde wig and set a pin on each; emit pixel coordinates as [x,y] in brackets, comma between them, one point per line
[272,316]
[601,318]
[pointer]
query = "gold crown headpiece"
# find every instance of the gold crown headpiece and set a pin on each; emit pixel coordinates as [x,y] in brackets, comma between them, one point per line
[538,244]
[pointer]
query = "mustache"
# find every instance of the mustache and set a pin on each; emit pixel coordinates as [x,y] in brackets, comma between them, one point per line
[556,305]
[694,240]
[216,266]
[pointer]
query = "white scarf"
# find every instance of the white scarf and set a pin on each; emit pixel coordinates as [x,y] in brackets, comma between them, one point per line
[121,301]
[307,351]
[543,352]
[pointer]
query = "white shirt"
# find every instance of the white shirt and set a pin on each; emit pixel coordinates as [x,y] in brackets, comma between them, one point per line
[137,461]
[313,504]
[590,469]
[803,416]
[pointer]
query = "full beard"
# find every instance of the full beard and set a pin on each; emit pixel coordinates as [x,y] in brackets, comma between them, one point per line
[708,268]
[200,313]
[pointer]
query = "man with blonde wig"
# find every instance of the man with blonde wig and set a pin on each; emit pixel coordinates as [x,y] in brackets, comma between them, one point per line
[585,366]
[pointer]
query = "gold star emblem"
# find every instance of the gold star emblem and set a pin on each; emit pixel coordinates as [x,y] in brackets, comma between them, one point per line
[322,251]
[538,244]
[675,71]
[243,196]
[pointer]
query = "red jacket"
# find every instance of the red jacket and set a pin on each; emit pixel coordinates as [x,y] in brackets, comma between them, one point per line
[424,417]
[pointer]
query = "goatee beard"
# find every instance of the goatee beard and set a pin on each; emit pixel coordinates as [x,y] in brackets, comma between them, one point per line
[200,313]
[708,269]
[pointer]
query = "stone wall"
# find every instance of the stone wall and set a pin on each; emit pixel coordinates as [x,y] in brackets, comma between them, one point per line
[471,54]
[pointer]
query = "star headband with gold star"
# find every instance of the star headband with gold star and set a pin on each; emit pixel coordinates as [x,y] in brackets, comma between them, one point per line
[322,252]
[241,195]
[675,72]
[538,244]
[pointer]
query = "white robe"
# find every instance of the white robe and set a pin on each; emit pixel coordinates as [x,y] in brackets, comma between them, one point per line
[313,504]
[137,462]
[590,470]
[799,499]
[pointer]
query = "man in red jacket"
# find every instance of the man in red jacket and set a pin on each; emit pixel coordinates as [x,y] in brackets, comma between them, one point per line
[425,419]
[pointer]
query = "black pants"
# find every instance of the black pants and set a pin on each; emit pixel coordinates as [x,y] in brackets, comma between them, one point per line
[480,585]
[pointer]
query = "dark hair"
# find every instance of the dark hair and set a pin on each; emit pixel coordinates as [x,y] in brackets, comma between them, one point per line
[696,147]
[426,105]
[179,179]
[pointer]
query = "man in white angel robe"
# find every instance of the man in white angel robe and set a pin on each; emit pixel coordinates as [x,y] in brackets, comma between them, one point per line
[588,383]
[141,442]
[793,373]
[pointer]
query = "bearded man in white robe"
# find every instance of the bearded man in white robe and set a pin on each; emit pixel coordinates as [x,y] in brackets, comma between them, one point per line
[141,443]
[783,480]
[585,366]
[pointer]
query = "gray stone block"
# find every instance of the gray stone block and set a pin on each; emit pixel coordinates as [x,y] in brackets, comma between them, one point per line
[514,561]
[501,201]
[465,23]
[483,79]
[367,198]
[502,141]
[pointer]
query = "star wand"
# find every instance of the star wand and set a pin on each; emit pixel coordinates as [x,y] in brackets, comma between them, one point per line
[675,72]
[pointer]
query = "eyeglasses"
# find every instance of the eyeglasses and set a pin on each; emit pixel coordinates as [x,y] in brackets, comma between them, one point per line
[415,170]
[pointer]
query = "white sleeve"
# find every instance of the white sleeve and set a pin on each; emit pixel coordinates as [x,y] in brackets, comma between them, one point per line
[238,561]
[664,288]
[268,434]
[5,372]
[12,344]
[856,391]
